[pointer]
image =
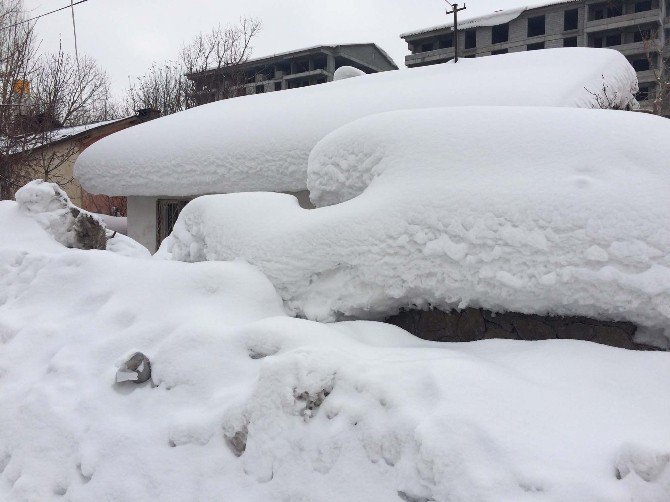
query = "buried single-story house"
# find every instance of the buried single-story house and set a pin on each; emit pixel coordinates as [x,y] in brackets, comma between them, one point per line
[263,142]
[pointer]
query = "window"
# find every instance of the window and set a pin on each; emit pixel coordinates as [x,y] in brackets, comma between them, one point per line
[641,64]
[643,6]
[167,211]
[570,42]
[570,19]
[535,26]
[614,11]
[260,89]
[427,47]
[643,93]
[277,86]
[642,35]
[445,42]
[500,51]
[500,33]
[611,40]
[471,39]
[535,47]
[598,13]
[597,42]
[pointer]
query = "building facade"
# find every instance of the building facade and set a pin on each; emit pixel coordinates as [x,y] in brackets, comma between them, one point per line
[636,28]
[51,155]
[300,68]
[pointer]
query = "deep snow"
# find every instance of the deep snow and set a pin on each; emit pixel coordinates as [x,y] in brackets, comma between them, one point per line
[428,214]
[332,412]
[52,209]
[262,142]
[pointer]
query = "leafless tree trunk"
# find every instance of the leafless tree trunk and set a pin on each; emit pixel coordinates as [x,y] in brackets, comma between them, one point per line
[654,53]
[165,87]
[17,64]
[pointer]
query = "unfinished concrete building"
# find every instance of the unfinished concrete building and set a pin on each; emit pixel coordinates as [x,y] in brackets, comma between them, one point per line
[636,28]
[288,70]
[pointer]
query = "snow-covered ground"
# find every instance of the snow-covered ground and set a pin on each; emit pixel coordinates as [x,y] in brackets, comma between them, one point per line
[425,213]
[246,403]
[263,141]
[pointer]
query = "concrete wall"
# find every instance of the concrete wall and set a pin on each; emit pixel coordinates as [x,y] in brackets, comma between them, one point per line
[142,221]
[367,55]
[477,324]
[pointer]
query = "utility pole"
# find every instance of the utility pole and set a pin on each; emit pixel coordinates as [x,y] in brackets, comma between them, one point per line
[455,9]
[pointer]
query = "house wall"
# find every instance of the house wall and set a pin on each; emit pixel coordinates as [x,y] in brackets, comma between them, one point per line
[64,174]
[142,221]
[367,55]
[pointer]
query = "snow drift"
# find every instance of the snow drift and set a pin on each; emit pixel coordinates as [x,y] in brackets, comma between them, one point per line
[50,207]
[262,142]
[246,404]
[428,214]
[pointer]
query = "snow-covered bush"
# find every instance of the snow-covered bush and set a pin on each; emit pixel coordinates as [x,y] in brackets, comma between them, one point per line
[344,72]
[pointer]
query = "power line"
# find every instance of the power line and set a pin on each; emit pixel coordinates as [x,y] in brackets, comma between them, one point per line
[74,31]
[71,5]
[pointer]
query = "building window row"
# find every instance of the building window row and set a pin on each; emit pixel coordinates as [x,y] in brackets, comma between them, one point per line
[536,27]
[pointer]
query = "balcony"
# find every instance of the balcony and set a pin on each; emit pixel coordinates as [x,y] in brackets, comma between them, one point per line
[429,57]
[636,47]
[309,73]
[611,23]
[646,76]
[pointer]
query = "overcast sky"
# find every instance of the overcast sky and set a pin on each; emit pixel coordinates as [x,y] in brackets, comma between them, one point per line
[126,36]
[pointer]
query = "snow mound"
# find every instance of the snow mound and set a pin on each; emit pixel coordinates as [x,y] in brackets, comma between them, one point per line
[247,404]
[69,225]
[263,141]
[428,214]
[344,72]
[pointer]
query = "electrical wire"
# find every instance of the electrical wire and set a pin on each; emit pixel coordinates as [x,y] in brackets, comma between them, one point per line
[71,5]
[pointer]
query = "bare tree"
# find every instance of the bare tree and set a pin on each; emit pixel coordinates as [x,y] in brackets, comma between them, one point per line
[163,87]
[73,91]
[166,87]
[17,65]
[659,66]
[40,96]
[608,99]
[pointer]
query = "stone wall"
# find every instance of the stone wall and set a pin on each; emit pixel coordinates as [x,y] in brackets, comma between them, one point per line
[478,324]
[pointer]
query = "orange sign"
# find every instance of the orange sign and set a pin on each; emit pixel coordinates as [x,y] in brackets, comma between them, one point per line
[21,87]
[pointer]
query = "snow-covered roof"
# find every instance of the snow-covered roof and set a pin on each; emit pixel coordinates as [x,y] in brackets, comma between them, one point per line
[293,52]
[493,19]
[33,141]
[263,141]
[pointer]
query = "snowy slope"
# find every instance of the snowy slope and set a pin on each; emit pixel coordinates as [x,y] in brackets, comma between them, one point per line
[49,207]
[324,413]
[262,142]
[426,214]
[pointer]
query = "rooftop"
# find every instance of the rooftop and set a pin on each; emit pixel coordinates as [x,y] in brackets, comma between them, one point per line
[493,19]
[299,52]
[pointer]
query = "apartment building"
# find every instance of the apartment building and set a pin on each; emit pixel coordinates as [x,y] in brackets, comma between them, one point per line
[636,28]
[299,68]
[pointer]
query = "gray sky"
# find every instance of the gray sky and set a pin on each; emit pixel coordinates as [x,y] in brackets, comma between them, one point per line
[126,36]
